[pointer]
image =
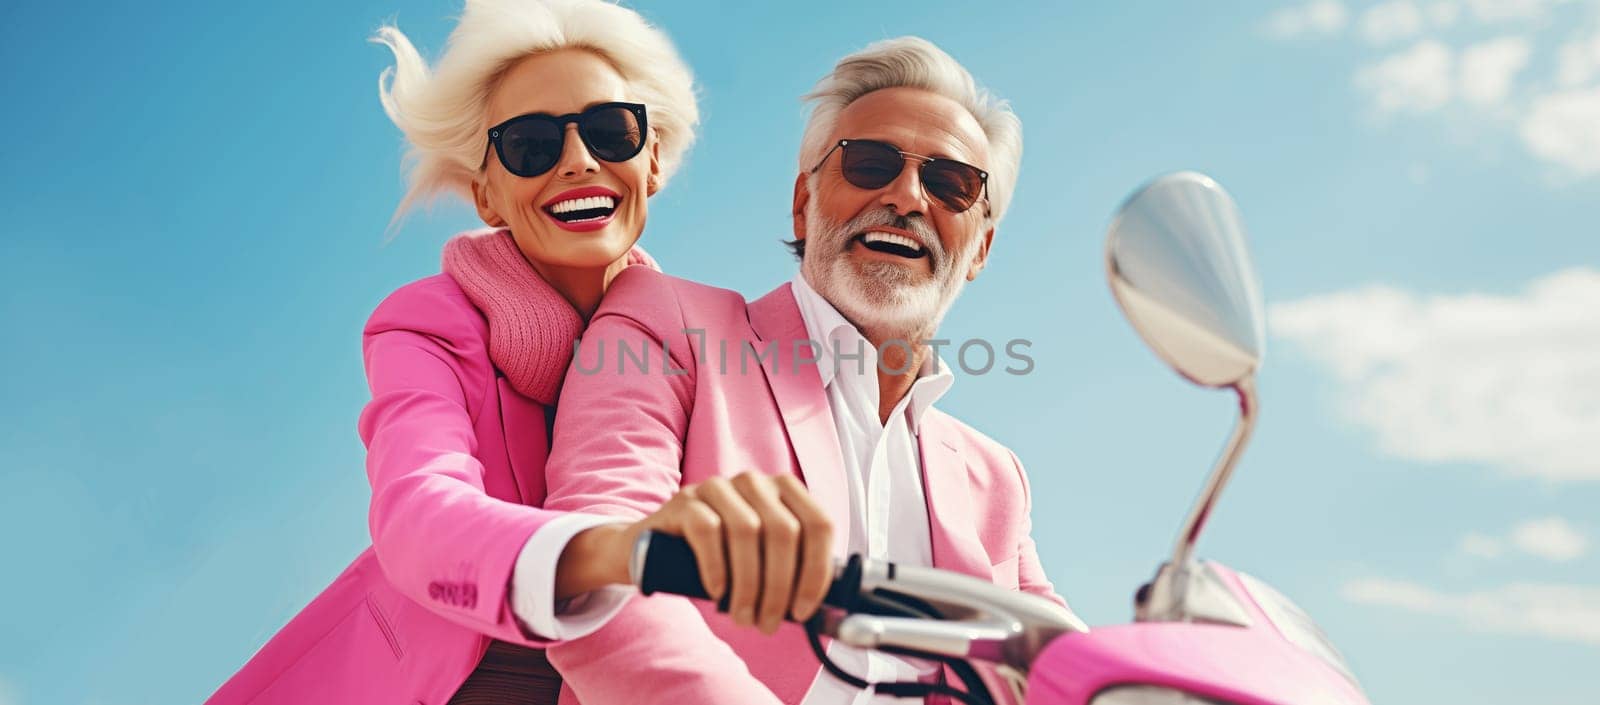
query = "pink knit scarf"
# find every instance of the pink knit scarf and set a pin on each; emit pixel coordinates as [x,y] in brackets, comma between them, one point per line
[531,327]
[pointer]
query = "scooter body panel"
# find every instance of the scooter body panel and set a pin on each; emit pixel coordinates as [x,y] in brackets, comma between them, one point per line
[1240,665]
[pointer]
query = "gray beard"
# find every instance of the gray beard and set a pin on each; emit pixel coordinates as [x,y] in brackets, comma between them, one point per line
[885,300]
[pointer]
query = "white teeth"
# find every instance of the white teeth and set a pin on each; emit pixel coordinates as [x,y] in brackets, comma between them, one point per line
[581,204]
[879,236]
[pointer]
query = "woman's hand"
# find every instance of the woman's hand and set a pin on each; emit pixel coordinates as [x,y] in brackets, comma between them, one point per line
[759,537]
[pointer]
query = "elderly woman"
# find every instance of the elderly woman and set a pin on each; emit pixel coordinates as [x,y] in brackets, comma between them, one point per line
[558,120]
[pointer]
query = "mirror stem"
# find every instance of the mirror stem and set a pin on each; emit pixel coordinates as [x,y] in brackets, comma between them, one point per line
[1248,405]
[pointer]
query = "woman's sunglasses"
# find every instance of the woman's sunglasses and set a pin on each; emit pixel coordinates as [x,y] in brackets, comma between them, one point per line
[872,165]
[530,145]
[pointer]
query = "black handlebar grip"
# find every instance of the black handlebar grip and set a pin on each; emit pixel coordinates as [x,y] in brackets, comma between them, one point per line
[669,567]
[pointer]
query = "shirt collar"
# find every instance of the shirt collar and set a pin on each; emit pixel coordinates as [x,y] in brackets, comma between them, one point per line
[829,328]
[826,327]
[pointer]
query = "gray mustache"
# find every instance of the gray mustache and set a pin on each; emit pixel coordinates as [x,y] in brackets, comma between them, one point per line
[885,217]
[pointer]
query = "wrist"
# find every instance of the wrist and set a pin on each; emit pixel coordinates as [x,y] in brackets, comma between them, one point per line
[594,558]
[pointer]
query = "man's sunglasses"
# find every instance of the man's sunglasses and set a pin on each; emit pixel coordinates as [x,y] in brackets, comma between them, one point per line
[872,165]
[530,145]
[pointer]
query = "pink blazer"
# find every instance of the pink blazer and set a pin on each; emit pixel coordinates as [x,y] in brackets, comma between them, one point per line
[626,440]
[411,617]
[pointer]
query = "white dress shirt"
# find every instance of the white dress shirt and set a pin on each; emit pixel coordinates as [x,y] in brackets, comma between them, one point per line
[883,469]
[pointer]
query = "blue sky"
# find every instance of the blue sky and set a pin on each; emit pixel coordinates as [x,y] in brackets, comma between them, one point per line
[194,201]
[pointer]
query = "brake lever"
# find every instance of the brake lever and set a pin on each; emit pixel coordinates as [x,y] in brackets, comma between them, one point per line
[979,640]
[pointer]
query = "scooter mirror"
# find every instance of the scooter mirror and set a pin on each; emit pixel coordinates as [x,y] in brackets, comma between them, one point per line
[1179,269]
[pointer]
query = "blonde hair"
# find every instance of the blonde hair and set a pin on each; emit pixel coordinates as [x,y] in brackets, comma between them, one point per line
[914,62]
[442,111]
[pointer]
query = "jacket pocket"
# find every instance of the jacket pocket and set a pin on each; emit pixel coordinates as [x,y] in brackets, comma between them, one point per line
[385,626]
[356,661]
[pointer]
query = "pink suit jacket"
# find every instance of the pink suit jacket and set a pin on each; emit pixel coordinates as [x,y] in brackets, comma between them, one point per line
[626,440]
[411,617]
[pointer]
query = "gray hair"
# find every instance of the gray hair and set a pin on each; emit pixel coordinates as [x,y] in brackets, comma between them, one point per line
[443,111]
[914,62]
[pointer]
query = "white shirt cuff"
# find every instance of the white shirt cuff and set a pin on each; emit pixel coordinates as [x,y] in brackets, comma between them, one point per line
[533,583]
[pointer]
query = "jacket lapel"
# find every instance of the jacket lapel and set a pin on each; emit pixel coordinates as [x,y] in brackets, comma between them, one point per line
[952,521]
[803,403]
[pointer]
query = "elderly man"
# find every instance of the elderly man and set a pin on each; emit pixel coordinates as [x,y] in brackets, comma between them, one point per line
[905,168]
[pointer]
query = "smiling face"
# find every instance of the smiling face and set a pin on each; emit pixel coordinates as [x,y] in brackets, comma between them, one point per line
[583,213]
[892,259]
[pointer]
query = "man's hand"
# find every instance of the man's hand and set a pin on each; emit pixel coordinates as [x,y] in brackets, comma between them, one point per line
[759,536]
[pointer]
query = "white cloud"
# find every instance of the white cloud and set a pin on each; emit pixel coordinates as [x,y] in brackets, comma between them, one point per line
[1481,546]
[1580,61]
[1564,128]
[1498,11]
[1488,69]
[1417,80]
[8,693]
[1508,381]
[1552,611]
[1400,19]
[1556,114]
[1315,18]
[1429,75]
[1551,538]
[1444,14]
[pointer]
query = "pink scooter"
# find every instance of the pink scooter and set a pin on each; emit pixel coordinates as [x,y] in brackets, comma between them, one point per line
[1203,633]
